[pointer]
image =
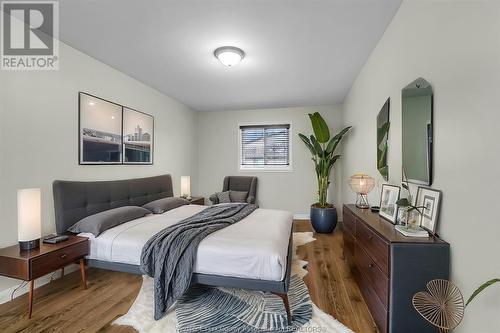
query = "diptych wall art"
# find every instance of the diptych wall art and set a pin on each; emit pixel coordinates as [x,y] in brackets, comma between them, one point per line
[110,133]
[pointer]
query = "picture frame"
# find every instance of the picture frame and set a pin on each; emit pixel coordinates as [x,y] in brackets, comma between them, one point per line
[99,131]
[431,200]
[112,134]
[389,195]
[138,129]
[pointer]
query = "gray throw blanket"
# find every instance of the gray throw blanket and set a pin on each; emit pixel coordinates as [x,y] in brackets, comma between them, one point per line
[170,255]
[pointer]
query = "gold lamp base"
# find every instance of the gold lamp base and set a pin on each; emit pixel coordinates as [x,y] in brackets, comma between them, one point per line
[362,201]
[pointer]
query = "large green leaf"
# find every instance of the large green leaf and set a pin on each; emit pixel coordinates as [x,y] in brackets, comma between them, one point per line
[480,289]
[320,127]
[384,171]
[308,143]
[317,146]
[330,148]
[403,202]
[382,157]
[382,131]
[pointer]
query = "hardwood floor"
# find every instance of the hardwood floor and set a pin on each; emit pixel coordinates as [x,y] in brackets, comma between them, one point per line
[63,306]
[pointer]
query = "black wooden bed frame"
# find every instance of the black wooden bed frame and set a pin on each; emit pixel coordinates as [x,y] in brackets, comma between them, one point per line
[74,200]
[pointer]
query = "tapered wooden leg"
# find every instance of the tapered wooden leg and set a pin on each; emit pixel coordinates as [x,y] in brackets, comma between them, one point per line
[30,304]
[284,297]
[83,273]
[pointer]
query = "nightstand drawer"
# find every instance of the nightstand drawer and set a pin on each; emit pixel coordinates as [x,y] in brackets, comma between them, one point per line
[57,259]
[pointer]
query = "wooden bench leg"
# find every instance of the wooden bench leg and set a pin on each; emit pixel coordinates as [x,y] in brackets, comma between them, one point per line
[83,273]
[284,297]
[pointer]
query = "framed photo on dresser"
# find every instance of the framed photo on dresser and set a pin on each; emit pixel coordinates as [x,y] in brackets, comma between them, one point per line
[430,199]
[388,198]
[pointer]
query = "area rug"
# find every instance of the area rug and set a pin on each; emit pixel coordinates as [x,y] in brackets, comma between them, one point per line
[194,312]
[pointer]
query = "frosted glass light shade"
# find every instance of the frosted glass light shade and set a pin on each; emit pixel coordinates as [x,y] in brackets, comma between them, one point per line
[29,217]
[229,55]
[186,186]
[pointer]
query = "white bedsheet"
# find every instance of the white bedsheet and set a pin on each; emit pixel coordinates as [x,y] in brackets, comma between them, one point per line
[256,247]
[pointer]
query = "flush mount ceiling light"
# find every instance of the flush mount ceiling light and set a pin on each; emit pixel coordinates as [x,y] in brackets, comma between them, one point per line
[229,55]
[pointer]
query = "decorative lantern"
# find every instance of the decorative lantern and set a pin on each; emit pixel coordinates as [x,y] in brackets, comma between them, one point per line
[361,184]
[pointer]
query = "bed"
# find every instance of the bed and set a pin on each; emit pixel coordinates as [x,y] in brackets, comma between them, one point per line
[239,256]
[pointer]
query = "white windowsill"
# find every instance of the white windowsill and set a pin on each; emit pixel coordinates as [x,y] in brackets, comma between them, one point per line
[265,169]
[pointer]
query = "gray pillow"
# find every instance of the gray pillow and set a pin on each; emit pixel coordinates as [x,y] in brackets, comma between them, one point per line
[161,206]
[100,222]
[224,197]
[238,196]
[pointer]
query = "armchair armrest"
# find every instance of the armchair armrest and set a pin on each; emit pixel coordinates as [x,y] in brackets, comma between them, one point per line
[214,198]
[251,199]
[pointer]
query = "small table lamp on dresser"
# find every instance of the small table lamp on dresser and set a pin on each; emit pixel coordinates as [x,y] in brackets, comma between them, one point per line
[361,184]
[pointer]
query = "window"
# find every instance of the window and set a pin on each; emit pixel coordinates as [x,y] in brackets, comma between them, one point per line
[265,147]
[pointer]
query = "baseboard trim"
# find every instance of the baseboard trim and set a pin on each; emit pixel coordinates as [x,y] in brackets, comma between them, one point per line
[6,293]
[301,216]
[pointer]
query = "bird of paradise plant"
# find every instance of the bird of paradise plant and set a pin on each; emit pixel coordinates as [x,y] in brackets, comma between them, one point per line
[322,149]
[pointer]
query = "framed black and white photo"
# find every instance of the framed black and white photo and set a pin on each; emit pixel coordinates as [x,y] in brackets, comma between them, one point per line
[388,198]
[100,133]
[137,137]
[110,133]
[430,199]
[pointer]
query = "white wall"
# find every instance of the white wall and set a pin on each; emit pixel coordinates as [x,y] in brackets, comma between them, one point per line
[455,45]
[218,155]
[39,133]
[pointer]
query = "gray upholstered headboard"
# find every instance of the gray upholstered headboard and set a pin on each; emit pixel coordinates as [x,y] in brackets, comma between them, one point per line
[74,200]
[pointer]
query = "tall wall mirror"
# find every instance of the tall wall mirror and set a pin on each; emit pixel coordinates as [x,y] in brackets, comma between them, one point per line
[417,110]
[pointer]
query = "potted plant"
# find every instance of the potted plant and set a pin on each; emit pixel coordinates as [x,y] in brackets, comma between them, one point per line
[322,147]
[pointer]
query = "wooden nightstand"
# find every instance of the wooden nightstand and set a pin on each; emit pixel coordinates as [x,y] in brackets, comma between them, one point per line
[197,200]
[30,265]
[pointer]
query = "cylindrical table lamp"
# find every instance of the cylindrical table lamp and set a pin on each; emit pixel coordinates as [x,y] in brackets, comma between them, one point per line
[186,187]
[362,184]
[29,218]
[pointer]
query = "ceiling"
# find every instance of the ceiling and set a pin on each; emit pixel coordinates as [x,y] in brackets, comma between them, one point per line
[298,52]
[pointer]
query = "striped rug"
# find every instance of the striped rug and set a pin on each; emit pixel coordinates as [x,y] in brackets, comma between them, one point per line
[140,315]
[205,309]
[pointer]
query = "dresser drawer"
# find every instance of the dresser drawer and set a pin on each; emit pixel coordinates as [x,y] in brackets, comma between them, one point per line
[349,222]
[349,242]
[375,246]
[57,259]
[370,270]
[379,314]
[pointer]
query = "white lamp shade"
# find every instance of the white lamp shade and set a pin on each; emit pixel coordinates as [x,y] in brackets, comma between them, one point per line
[29,214]
[185,186]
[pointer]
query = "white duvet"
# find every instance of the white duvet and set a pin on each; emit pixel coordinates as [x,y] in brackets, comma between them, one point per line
[255,248]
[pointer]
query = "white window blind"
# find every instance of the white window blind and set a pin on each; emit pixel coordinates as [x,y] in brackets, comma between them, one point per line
[265,145]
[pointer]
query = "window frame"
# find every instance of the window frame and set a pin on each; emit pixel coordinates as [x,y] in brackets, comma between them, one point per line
[266,168]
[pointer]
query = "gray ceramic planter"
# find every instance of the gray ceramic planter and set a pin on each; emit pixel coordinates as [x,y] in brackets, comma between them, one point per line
[324,220]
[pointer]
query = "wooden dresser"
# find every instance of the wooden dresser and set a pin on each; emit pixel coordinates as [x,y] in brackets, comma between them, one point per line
[390,268]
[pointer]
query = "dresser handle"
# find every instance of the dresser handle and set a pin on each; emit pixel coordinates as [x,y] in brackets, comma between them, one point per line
[370,265]
[63,256]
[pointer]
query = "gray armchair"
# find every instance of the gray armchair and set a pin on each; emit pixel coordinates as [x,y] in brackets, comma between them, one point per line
[238,183]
